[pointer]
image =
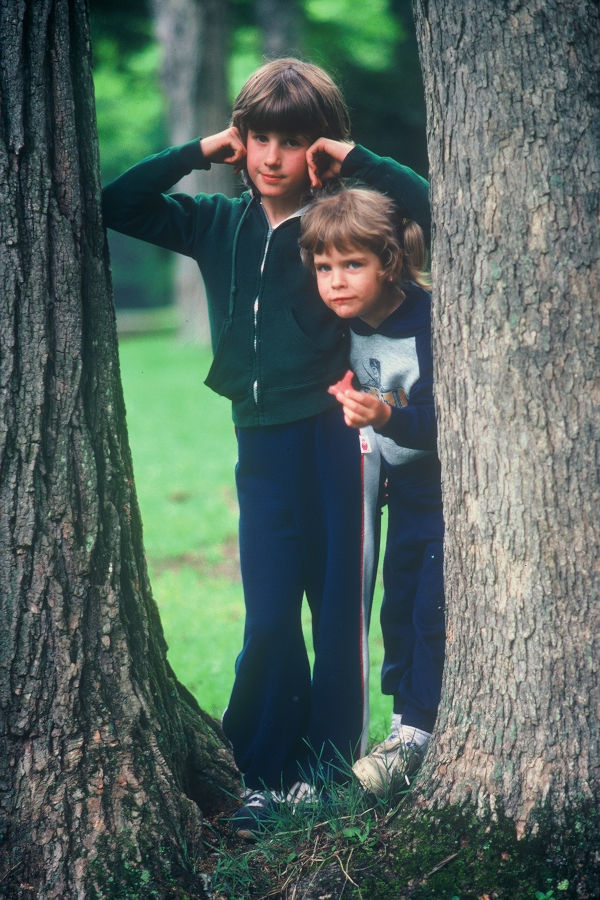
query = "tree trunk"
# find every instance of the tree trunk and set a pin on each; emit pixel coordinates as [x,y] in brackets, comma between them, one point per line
[512,102]
[193,35]
[280,23]
[102,752]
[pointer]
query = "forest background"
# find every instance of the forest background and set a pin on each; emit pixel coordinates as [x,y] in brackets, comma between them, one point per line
[182,440]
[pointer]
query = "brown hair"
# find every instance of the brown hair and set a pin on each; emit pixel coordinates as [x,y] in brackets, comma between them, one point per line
[360,217]
[291,96]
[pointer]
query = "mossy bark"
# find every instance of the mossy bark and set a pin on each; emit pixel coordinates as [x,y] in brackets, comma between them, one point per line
[97,738]
[512,102]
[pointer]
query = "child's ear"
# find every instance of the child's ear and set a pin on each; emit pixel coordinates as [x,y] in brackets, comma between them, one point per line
[394,269]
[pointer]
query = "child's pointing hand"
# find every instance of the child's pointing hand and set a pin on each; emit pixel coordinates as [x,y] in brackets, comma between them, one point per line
[324,159]
[225,147]
[361,409]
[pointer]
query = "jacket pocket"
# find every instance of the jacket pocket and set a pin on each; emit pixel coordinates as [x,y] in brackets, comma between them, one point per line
[302,358]
[231,368]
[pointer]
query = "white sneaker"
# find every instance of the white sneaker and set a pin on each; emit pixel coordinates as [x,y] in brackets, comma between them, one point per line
[301,792]
[395,759]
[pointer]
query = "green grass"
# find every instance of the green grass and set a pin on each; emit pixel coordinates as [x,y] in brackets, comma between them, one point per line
[184,452]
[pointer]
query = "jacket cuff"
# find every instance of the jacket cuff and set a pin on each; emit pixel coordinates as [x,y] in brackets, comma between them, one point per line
[358,157]
[192,156]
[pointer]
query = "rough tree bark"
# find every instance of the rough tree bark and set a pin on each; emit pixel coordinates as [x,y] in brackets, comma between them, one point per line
[512,102]
[193,35]
[102,753]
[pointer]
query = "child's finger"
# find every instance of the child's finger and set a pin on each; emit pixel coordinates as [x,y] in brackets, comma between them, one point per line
[312,150]
[239,153]
[314,179]
[355,398]
[317,154]
[353,420]
[236,159]
[313,171]
[342,385]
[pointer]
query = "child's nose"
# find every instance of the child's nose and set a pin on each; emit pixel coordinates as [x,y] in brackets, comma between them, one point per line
[337,277]
[272,157]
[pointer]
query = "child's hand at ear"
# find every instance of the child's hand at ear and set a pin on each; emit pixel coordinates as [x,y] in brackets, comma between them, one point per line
[225,147]
[324,159]
[362,409]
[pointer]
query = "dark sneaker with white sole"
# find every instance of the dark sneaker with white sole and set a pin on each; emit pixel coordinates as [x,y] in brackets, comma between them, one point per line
[256,814]
[259,810]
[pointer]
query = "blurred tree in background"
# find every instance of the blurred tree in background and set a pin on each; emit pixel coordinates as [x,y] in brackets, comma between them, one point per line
[194,36]
[130,113]
[281,25]
[369,48]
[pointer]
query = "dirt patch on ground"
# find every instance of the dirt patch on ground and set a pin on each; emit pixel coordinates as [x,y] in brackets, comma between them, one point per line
[228,566]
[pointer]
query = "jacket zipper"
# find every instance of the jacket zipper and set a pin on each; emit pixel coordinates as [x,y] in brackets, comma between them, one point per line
[257,307]
[255,385]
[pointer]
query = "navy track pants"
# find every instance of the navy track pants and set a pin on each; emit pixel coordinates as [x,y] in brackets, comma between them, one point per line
[412,613]
[306,528]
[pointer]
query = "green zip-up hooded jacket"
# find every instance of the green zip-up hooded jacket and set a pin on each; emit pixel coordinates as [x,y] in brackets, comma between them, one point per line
[277,347]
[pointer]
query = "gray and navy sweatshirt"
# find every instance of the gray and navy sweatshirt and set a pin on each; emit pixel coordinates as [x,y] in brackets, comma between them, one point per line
[394,362]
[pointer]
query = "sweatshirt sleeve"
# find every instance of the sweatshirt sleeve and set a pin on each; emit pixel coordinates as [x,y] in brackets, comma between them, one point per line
[414,426]
[408,189]
[136,202]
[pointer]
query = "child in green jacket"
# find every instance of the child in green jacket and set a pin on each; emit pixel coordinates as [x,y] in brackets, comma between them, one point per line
[306,511]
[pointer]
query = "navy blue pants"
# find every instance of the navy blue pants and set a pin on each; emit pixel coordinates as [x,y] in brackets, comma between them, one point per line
[302,532]
[412,613]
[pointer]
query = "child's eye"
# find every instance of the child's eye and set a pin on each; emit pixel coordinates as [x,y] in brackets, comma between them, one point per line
[293,142]
[322,267]
[354,264]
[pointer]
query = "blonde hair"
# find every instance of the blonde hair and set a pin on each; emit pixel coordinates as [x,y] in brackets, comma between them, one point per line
[292,96]
[360,217]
